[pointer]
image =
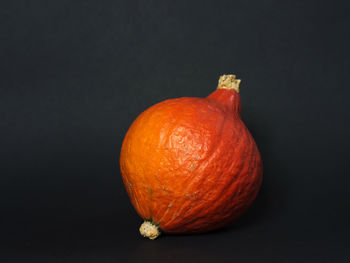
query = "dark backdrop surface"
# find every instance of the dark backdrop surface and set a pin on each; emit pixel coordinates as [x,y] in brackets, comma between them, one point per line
[75,74]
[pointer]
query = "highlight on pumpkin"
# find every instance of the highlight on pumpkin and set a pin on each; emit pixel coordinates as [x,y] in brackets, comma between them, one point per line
[190,165]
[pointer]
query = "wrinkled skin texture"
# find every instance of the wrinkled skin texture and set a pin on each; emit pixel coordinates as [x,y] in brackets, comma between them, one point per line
[190,164]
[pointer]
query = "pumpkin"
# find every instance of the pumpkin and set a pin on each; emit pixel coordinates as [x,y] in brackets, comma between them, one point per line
[190,165]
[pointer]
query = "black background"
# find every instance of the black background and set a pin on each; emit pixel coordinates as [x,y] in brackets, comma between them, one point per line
[75,74]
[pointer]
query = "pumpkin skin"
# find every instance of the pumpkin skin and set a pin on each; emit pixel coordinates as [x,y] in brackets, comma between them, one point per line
[190,165]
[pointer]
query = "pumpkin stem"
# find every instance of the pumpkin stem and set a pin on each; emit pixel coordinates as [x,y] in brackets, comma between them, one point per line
[150,230]
[229,82]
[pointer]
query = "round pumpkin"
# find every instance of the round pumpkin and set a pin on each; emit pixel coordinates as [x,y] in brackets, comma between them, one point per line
[190,165]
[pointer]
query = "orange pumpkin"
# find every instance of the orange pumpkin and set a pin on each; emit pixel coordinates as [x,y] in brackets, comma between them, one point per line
[190,165]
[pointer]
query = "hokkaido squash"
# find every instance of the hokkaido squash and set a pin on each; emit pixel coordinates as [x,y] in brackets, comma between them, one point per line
[190,165]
